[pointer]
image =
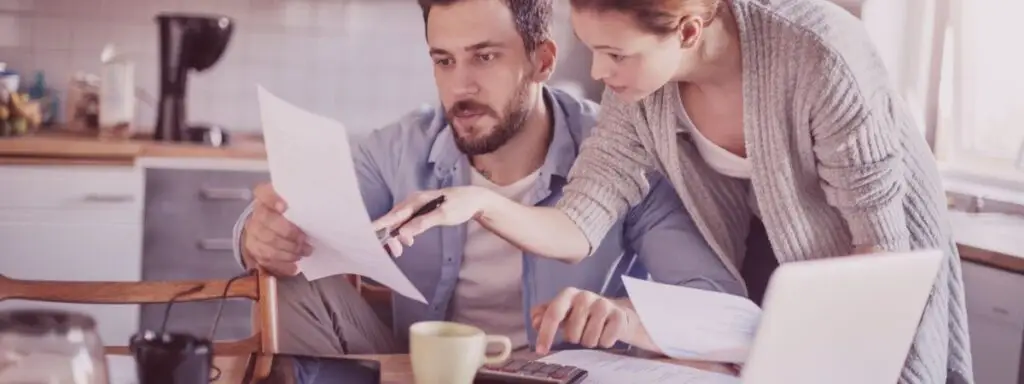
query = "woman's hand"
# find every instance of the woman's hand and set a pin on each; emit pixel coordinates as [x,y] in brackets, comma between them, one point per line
[461,205]
[867,249]
[587,319]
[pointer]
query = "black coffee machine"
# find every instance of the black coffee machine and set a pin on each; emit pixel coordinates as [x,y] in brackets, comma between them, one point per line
[187,42]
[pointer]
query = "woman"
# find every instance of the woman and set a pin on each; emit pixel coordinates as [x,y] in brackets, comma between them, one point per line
[773,111]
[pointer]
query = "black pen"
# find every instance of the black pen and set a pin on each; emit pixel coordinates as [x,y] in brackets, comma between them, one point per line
[384,235]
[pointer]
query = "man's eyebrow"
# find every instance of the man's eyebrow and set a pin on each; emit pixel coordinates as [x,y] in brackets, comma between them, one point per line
[485,44]
[474,47]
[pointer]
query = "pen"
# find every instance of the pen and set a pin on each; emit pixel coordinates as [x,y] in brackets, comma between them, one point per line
[384,235]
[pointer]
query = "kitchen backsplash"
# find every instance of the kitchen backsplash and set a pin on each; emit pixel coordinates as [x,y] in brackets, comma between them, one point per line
[362,62]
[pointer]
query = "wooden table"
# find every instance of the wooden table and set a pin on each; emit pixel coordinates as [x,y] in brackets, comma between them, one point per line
[397,369]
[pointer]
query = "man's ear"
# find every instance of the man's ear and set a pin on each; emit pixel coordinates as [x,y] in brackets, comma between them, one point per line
[690,29]
[545,57]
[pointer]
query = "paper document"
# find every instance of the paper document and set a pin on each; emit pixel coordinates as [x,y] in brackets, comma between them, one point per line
[311,168]
[693,324]
[607,368]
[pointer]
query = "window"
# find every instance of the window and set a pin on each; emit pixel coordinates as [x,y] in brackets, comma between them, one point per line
[980,122]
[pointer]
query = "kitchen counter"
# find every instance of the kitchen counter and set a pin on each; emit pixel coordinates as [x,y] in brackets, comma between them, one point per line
[65,148]
[991,239]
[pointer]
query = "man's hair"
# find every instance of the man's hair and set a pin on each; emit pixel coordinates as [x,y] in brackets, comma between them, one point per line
[532,17]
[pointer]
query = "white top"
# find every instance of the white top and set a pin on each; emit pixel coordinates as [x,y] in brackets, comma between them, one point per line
[489,293]
[720,159]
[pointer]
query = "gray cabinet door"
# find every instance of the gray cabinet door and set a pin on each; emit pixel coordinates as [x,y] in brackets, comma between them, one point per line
[996,322]
[188,222]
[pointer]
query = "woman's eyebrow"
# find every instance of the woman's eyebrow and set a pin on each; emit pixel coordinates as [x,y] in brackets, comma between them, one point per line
[599,46]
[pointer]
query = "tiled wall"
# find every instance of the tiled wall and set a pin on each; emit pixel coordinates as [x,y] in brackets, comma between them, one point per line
[363,62]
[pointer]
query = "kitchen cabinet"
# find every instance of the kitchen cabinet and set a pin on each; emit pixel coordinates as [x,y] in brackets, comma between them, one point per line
[74,223]
[189,217]
[996,356]
[996,320]
[168,221]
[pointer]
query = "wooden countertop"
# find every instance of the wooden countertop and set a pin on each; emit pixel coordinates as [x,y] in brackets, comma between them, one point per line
[72,148]
[991,239]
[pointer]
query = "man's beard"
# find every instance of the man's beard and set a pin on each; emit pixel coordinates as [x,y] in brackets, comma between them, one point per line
[515,113]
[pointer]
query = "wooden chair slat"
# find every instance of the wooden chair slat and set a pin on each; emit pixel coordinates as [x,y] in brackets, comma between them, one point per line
[125,292]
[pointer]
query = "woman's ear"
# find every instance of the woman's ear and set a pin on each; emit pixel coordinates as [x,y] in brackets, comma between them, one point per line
[690,29]
[545,57]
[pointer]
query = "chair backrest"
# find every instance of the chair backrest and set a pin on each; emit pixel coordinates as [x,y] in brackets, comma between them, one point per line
[258,286]
[374,294]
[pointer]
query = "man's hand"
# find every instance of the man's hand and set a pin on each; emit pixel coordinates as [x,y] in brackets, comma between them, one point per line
[587,319]
[461,205]
[269,239]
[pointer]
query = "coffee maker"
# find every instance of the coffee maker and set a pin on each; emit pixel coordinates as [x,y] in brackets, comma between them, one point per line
[187,42]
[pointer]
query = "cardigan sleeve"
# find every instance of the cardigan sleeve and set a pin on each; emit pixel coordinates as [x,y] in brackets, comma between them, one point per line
[609,175]
[857,144]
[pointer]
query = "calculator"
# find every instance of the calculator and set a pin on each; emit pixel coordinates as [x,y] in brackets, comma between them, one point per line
[520,371]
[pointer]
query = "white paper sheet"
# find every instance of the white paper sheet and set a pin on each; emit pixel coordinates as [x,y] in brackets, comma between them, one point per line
[311,168]
[694,324]
[607,368]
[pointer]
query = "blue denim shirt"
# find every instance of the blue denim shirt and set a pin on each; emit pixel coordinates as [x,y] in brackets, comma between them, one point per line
[418,153]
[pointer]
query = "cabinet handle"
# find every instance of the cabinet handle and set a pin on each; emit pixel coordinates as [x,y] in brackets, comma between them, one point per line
[225,194]
[1001,311]
[105,198]
[216,245]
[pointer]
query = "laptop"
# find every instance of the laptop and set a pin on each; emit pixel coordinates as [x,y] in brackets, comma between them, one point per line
[841,320]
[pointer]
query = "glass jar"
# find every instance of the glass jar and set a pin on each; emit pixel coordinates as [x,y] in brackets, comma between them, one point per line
[50,346]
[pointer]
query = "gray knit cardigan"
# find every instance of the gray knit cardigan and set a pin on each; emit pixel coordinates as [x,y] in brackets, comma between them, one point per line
[837,163]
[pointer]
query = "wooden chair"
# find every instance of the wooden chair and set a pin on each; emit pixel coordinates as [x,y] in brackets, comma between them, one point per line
[259,287]
[374,294]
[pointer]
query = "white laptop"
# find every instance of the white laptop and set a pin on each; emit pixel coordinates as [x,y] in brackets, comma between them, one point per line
[841,320]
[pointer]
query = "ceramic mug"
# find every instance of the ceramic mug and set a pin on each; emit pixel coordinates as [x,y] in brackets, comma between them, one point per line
[451,353]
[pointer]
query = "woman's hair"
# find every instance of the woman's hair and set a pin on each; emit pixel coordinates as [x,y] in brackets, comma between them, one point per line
[660,17]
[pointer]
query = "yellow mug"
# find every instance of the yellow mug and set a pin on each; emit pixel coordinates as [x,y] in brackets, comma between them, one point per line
[451,353]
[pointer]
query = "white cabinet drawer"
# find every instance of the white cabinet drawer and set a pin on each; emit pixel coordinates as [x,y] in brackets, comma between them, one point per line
[994,293]
[76,252]
[71,251]
[70,187]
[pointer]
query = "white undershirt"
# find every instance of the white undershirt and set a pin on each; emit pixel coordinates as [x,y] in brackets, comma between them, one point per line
[489,293]
[720,159]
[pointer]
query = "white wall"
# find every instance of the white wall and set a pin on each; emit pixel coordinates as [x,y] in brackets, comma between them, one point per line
[363,62]
[902,32]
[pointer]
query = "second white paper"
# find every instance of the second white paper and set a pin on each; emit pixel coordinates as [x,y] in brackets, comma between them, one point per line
[693,324]
[607,368]
[311,168]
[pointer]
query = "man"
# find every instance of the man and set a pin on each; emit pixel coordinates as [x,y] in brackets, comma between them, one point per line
[498,127]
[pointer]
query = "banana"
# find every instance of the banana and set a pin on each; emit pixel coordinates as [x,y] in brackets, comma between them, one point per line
[20,126]
[33,116]
[17,105]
